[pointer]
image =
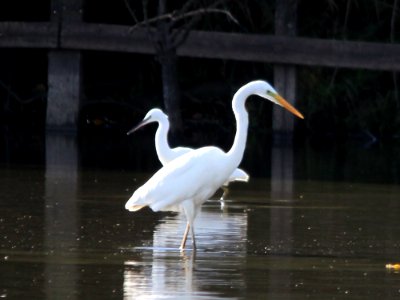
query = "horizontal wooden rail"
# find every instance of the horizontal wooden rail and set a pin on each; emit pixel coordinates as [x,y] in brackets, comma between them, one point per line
[106,37]
[293,50]
[28,35]
[230,46]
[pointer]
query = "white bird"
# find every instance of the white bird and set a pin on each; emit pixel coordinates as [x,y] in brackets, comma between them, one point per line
[166,154]
[191,179]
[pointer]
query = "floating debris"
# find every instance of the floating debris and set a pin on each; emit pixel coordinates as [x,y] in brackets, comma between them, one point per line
[395,267]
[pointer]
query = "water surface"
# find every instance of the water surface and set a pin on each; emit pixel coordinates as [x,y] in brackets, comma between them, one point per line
[66,235]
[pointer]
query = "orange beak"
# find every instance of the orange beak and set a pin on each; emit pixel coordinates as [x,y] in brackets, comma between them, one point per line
[288,106]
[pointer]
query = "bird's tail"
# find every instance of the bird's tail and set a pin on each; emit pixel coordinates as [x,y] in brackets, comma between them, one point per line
[134,207]
[136,202]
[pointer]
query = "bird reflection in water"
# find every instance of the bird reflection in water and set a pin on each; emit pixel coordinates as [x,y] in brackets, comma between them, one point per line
[164,271]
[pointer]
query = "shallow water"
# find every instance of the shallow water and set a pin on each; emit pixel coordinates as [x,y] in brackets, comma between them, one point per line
[65,235]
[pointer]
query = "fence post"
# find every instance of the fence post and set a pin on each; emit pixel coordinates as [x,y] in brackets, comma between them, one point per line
[282,163]
[64,71]
[284,75]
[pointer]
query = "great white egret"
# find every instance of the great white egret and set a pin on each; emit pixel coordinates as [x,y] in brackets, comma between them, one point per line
[191,179]
[166,154]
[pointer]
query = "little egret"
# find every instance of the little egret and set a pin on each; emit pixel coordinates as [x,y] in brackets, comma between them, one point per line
[166,154]
[191,179]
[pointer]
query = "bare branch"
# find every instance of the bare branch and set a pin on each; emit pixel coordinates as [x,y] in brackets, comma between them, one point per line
[202,11]
[150,21]
[167,21]
[185,8]
[171,16]
[131,12]
[150,34]
[181,34]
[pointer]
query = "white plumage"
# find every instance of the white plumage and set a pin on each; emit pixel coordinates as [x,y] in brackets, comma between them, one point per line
[165,153]
[192,178]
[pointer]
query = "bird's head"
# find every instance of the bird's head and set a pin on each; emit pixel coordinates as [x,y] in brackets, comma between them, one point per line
[154,115]
[266,91]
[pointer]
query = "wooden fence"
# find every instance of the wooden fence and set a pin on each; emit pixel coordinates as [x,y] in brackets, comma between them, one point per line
[203,44]
[65,39]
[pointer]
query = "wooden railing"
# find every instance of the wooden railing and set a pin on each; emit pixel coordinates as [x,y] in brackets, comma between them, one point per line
[205,44]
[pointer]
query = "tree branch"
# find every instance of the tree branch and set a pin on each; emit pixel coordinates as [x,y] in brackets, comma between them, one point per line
[164,36]
[185,8]
[150,33]
[174,17]
[180,35]
[131,12]
[202,11]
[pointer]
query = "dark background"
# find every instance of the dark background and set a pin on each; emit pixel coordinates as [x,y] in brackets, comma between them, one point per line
[118,89]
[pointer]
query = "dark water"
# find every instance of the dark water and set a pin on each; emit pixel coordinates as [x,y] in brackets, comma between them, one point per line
[319,226]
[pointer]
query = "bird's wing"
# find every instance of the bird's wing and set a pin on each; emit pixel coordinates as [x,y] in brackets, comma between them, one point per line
[187,177]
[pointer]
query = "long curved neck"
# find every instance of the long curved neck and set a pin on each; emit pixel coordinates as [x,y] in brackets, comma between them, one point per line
[242,123]
[161,140]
